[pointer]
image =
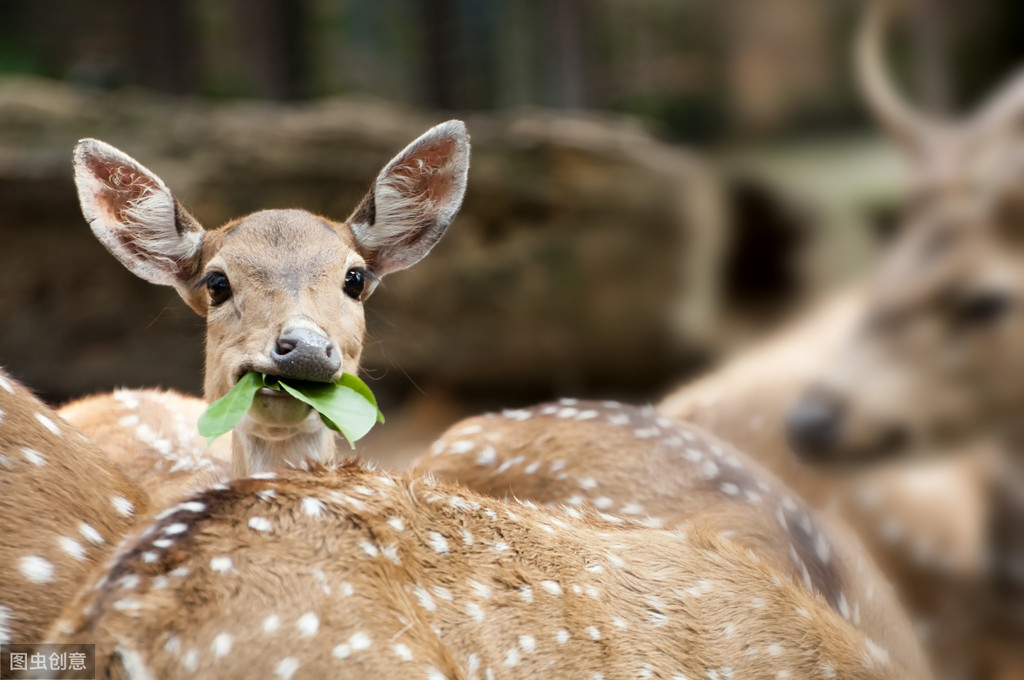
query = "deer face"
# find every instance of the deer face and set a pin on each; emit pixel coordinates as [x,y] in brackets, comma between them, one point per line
[940,354]
[282,290]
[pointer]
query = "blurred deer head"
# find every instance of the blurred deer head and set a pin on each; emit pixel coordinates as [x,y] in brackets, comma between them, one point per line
[940,352]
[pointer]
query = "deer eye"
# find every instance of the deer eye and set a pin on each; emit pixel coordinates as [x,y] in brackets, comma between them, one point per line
[982,308]
[218,286]
[355,282]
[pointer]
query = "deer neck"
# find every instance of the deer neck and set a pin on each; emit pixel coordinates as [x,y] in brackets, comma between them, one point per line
[254,452]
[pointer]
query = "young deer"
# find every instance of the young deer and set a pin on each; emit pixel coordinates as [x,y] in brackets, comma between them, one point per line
[152,436]
[631,463]
[352,573]
[282,291]
[63,507]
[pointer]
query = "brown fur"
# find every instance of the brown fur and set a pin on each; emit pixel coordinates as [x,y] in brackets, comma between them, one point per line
[375,576]
[630,462]
[63,508]
[151,435]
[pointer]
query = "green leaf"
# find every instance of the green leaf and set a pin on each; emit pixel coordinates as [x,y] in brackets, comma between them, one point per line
[346,406]
[222,415]
[352,411]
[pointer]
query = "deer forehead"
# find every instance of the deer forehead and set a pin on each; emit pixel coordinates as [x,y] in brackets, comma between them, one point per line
[283,249]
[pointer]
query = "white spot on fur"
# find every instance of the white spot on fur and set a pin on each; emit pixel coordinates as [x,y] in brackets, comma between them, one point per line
[551,587]
[36,569]
[475,611]
[512,658]
[403,652]
[482,590]
[287,666]
[33,456]
[271,623]
[487,456]
[48,424]
[221,564]
[359,642]
[123,506]
[221,645]
[562,636]
[593,632]
[438,542]
[175,529]
[260,524]
[5,622]
[72,547]
[396,523]
[314,507]
[308,624]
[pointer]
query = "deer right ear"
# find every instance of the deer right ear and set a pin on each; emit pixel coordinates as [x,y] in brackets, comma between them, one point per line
[133,214]
[414,199]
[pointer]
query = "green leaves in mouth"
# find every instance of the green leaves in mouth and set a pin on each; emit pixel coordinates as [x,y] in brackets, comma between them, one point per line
[346,406]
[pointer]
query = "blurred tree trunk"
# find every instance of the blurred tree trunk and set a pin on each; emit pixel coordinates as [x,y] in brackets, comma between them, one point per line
[163,45]
[439,20]
[274,34]
[568,22]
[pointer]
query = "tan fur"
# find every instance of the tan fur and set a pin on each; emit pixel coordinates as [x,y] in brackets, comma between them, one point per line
[152,437]
[63,508]
[405,577]
[630,462]
[286,270]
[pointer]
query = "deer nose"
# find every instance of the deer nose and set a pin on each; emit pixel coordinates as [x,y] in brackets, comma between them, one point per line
[813,426]
[303,354]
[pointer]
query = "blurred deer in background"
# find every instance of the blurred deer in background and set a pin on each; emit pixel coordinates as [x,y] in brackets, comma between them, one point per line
[630,462]
[937,358]
[282,291]
[407,577]
[63,508]
[923,525]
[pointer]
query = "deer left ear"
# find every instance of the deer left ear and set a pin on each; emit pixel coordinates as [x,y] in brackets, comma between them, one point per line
[413,200]
[133,213]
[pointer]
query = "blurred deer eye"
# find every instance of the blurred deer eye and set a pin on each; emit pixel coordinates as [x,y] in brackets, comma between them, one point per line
[983,308]
[218,286]
[355,281]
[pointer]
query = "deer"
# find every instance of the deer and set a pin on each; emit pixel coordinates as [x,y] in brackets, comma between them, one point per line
[633,463]
[933,359]
[282,291]
[63,506]
[923,523]
[152,437]
[350,572]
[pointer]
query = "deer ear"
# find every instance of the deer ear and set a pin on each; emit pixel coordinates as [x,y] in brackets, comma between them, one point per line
[414,199]
[133,214]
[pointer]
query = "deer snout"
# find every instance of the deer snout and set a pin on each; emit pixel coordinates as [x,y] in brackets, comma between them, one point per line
[813,426]
[304,354]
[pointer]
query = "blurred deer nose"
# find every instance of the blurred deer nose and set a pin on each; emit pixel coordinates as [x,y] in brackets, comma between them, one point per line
[813,427]
[303,354]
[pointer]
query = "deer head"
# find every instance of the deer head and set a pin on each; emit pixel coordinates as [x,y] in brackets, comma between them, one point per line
[282,291]
[937,355]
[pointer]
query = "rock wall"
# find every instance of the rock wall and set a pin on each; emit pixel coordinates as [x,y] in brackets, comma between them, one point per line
[583,261]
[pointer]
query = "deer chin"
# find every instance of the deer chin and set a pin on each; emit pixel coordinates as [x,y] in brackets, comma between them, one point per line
[276,416]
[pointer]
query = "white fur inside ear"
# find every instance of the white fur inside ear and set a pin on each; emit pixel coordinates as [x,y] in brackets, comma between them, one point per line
[133,213]
[416,196]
